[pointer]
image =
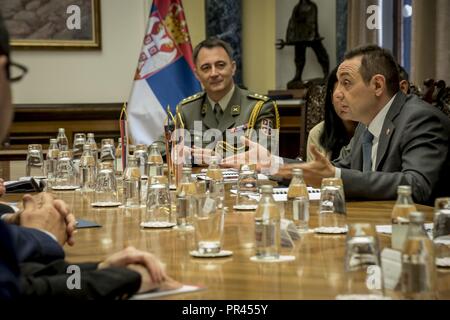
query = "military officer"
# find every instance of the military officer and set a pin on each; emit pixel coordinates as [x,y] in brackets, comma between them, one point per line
[223,111]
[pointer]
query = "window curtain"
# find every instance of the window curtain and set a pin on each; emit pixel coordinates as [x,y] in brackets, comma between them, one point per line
[430,50]
[357,32]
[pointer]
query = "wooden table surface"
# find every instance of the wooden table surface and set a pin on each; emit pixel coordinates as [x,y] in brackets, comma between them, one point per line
[316,273]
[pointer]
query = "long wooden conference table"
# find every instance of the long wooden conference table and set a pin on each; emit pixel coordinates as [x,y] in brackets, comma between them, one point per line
[317,272]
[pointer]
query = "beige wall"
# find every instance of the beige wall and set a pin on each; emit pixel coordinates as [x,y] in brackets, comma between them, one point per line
[106,76]
[87,76]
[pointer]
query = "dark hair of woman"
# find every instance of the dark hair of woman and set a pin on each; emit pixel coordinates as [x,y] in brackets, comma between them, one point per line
[335,135]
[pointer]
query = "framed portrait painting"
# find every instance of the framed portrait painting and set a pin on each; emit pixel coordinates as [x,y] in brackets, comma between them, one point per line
[53,24]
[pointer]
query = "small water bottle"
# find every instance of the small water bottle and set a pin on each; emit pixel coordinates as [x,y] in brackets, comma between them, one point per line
[402,208]
[52,161]
[63,143]
[267,226]
[87,170]
[132,184]
[418,261]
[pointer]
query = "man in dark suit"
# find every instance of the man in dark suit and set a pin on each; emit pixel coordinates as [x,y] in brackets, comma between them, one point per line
[400,140]
[34,238]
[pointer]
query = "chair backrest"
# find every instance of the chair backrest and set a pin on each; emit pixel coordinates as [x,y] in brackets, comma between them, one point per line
[315,102]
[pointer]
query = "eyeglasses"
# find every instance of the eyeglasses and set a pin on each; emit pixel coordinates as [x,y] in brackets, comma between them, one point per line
[17,71]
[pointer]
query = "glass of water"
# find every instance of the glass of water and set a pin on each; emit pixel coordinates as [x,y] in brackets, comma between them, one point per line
[35,161]
[159,208]
[208,223]
[362,262]
[65,170]
[105,186]
[332,208]
[247,188]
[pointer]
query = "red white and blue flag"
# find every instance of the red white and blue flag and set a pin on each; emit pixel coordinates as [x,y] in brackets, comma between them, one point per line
[164,75]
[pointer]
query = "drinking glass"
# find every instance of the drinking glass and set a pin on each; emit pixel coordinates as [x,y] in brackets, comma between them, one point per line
[105,186]
[332,208]
[300,213]
[247,188]
[362,263]
[158,204]
[441,232]
[184,208]
[65,171]
[208,223]
[35,161]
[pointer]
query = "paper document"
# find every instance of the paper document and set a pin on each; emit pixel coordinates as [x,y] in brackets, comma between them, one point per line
[387,229]
[280,194]
[157,293]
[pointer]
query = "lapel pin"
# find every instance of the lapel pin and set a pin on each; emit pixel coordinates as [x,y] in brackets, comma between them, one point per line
[204,108]
[388,131]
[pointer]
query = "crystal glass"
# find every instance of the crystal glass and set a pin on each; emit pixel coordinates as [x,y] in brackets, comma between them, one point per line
[208,223]
[158,204]
[247,187]
[362,263]
[105,185]
[65,171]
[441,232]
[332,207]
[300,213]
[185,205]
[35,161]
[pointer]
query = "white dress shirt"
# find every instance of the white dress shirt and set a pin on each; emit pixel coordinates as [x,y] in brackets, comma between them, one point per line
[375,127]
[223,103]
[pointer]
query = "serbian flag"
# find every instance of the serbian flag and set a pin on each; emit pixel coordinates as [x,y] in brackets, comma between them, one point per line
[164,75]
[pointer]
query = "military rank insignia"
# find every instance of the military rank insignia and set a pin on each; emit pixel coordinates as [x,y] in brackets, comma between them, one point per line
[204,109]
[267,126]
[235,110]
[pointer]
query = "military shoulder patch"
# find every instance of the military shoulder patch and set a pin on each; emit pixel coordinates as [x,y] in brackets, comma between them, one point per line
[192,98]
[267,126]
[258,96]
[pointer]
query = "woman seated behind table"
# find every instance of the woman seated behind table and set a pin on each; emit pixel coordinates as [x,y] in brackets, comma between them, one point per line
[336,131]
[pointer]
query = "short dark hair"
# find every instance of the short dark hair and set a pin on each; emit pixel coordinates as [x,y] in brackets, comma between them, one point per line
[376,60]
[210,43]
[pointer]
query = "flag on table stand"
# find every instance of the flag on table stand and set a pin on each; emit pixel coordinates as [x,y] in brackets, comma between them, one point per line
[164,75]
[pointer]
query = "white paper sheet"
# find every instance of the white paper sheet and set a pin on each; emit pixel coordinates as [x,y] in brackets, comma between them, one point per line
[158,294]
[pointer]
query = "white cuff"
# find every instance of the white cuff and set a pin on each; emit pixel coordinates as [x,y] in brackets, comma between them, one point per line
[51,235]
[337,173]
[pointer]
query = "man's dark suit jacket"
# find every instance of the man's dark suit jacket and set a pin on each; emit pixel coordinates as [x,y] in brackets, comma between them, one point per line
[34,245]
[40,281]
[9,269]
[413,150]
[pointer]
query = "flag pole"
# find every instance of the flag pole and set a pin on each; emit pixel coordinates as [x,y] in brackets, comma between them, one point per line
[123,124]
